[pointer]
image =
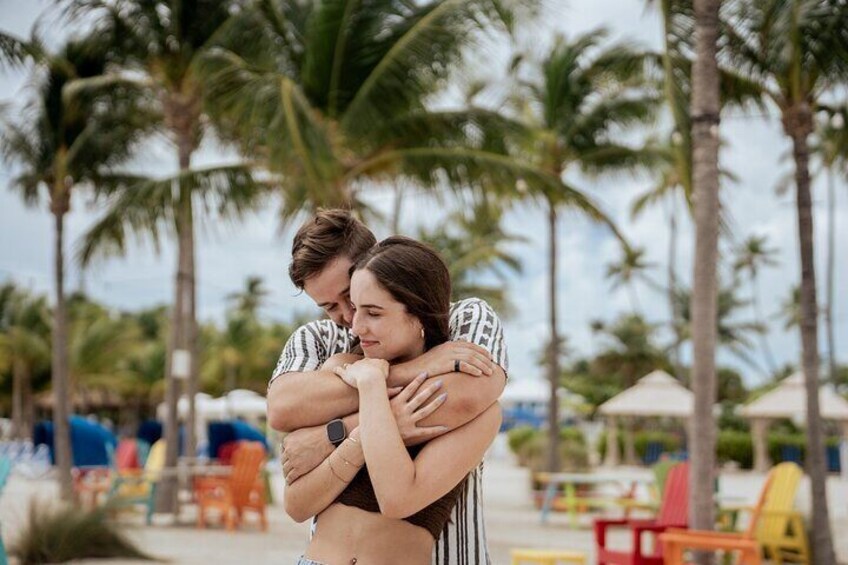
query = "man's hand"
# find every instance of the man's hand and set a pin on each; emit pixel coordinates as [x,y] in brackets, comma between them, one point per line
[409,408]
[442,359]
[303,450]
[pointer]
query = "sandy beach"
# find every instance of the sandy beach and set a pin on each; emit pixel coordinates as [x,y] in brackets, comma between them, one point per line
[511,521]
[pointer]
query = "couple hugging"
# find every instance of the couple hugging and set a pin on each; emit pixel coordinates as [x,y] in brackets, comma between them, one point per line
[389,405]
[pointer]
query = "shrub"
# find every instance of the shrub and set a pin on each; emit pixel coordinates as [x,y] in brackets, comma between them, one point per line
[531,448]
[518,436]
[736,446]
[56,534]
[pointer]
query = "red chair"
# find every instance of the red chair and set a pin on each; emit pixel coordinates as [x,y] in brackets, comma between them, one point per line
[673,513]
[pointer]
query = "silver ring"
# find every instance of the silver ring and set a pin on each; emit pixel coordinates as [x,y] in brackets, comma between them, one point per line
[456,366]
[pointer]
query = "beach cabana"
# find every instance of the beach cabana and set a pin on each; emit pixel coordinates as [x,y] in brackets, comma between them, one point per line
[657,394]
[789,400]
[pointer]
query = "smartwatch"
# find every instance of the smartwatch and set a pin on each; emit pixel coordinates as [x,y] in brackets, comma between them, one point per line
[336,432]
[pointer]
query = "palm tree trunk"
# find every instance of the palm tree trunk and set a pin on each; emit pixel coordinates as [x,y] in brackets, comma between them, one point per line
[17,400]
[798,123]
[758,317]
[397,207]
[59,369]
[553,346]
[831,256]
[672,289]
[705,120]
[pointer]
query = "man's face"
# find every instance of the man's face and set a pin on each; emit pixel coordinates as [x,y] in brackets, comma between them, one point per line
[330,289]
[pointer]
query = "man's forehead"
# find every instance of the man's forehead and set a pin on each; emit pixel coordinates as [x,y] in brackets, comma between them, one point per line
[331,284]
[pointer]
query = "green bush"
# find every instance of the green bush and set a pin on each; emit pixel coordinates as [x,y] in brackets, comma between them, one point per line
[518,436]
[736,446]
[669,441]
[531,448]
[56,534]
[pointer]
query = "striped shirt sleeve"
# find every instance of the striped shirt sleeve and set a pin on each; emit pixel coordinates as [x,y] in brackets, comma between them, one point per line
[474,320]
[306,350]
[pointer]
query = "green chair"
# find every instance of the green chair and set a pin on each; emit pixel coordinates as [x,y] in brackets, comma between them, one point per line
[5,471]
[139,488]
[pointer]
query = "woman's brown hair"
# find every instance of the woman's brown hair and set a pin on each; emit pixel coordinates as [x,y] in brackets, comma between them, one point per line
[417,277]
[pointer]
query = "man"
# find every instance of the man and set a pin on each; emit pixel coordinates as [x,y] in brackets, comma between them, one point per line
[318,408]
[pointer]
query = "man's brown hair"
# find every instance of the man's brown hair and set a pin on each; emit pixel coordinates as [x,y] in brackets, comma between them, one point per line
[417,277]
[330,234]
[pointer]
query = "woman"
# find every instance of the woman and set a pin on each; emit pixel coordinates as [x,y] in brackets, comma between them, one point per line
[395,510]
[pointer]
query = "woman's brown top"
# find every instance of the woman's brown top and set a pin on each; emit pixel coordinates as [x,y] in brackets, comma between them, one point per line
[360,494]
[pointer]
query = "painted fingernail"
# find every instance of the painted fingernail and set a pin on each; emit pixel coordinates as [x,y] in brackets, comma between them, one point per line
[438,384]
[422,376]
[443,397]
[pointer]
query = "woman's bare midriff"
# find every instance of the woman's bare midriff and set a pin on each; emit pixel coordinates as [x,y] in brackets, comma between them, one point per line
[347,535]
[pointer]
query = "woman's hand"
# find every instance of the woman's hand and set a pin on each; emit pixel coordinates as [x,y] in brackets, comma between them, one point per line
[414,403]
[339,360]
[354,374]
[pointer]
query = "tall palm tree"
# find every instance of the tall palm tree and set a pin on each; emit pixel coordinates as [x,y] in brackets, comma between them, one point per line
[474,243]
[832,148]
[751,256]
[24,349]
[581,93]
[157,45]
[632,267]
[60,143]
[796,50]
[705,104]
[336,97]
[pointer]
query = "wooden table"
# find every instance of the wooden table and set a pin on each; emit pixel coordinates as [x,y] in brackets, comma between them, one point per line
[623,498]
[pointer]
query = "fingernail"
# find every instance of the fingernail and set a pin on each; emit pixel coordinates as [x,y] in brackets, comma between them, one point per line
[422,376]
[443,397]
[438,384]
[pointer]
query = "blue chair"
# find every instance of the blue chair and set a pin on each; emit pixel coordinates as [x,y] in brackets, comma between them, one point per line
[834,465]
[653,452]
[791,453]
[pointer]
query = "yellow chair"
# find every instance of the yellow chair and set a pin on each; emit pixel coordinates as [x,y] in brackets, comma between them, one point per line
[132,487]
[547,556]
[781,530]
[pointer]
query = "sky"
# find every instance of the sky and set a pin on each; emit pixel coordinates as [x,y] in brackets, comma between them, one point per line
[755,151]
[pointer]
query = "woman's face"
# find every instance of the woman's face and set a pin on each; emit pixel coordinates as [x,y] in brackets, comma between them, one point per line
[385,329]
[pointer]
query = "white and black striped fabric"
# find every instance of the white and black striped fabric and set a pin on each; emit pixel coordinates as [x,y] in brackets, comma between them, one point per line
[463,541]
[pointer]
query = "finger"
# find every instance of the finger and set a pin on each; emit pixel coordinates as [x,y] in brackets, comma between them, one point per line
[426,393]
[293,476]
[430,407]
[412,387]
[287,466]
[394,391]
[484,364]
[470,369]
[430,432]
[283,458]
[340,371]
[474,348]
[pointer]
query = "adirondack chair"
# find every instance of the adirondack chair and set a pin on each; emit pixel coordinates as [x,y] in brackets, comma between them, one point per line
[673,513]
[242,490]
[782,478]
[132,487]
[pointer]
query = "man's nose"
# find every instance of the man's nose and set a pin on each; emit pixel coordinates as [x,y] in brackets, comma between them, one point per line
[347,315]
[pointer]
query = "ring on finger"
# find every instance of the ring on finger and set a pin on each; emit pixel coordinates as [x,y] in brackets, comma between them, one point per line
[456,363]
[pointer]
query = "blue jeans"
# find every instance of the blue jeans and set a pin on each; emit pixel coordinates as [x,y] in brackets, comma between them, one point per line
[304,561]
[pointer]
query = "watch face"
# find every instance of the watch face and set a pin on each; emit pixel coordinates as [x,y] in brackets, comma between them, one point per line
[336,431]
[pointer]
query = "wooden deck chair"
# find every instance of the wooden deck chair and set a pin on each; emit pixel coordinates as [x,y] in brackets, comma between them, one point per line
[673,513]
[242,490]
[781,530]
[91,483]
[676,542]
[133,487]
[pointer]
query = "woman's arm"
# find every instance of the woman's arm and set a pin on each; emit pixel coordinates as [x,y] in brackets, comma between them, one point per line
[404,486]
[316,490]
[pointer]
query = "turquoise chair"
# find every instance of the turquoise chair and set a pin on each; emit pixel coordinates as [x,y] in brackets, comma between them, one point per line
[5,471]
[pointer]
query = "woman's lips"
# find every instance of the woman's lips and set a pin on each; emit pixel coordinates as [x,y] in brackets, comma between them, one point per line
[365,344]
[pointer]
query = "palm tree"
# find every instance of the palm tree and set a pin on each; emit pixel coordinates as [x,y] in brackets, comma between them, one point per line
[62,142]
[249,300]
[796,51]
[157,45]
[631,267]
[583,92]
[832,148]
[753,254]
[705,186]
[474,244]
[335,97]
[24,349]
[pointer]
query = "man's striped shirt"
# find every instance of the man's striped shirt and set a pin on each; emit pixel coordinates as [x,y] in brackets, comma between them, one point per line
[463,541]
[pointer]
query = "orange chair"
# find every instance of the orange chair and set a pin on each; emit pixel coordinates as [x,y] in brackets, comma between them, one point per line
[242,490]
[675,542]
